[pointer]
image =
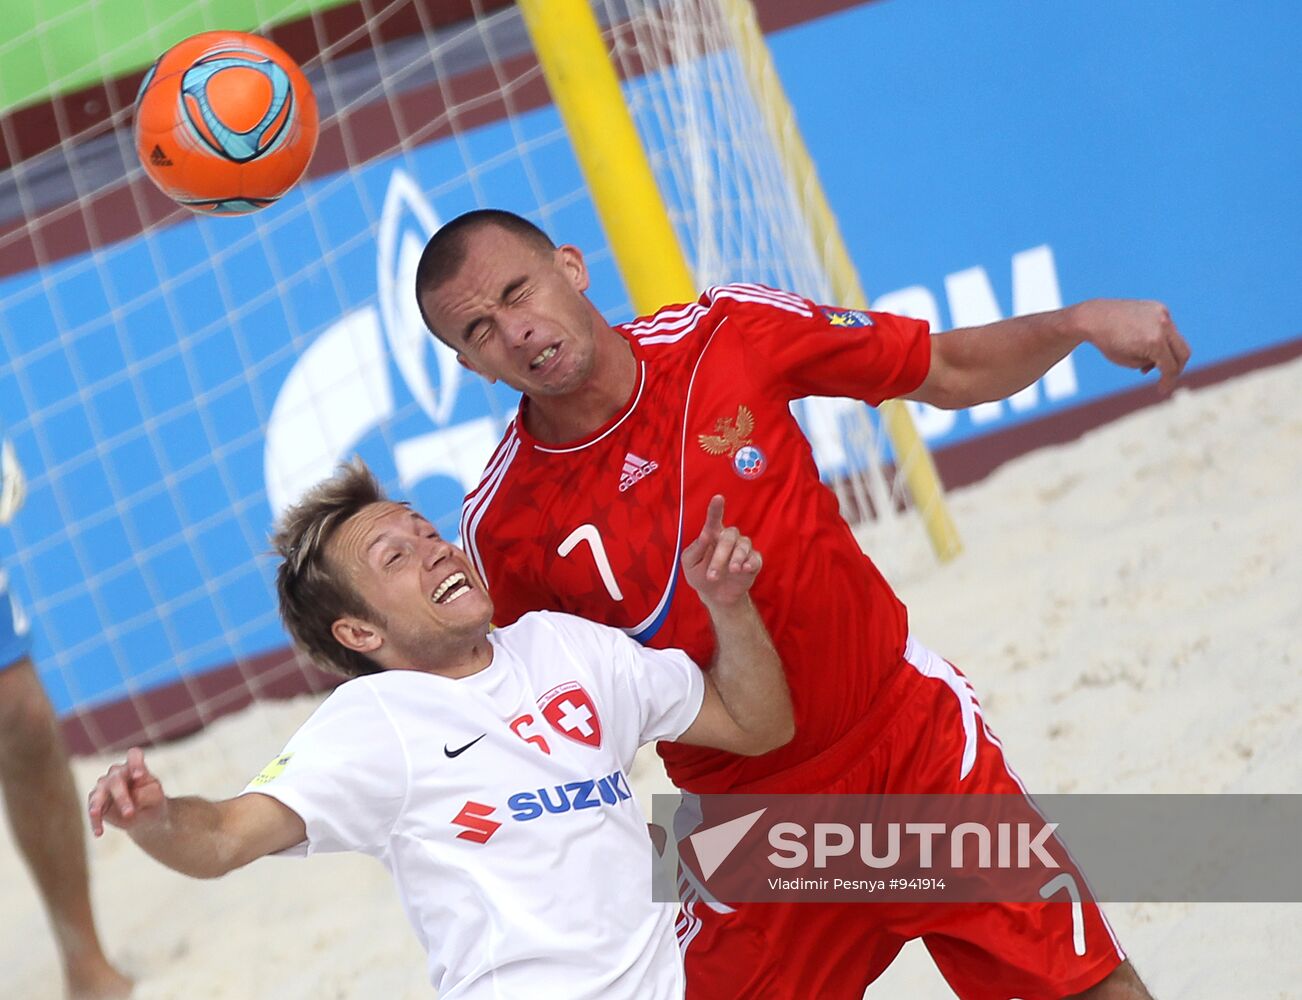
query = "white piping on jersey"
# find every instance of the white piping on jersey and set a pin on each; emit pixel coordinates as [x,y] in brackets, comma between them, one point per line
[677,323]
[930,664]
[691,320]
[688,924]
[1017,778]
[763,300]
[641,386]
[762,295]
[684,319]
[682,472]
[491,471]
[497,458]
[662,317]
[776,293]
[477,505]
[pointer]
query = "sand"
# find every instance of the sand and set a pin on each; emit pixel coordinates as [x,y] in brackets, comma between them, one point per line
[1128,607]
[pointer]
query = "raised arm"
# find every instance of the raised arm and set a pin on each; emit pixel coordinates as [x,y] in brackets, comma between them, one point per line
[747,707]
[982,363]
[194,836]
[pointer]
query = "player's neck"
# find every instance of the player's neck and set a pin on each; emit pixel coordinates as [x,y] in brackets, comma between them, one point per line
[469,659]
[606,391]
[454,661]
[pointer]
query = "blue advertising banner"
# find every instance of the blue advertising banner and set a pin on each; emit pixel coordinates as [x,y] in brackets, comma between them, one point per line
[1142,147]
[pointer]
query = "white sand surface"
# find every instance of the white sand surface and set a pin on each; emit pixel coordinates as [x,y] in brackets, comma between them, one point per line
[1129,608]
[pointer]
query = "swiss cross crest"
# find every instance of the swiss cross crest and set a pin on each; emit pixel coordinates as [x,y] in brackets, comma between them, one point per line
[571,712]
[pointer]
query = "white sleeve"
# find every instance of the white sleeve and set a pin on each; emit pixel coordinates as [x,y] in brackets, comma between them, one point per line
[666,684]
[344,772]
[657,693]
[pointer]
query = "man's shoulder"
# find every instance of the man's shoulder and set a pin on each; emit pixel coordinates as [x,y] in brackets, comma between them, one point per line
[542,631]
[347,715]
[357,694]
[677,326]
[388,700]
[673,327]
[727,296]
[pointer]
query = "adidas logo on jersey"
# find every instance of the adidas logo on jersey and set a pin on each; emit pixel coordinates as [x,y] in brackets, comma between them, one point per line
[635,470]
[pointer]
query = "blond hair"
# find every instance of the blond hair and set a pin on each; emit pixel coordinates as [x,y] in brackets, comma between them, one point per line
[313,594]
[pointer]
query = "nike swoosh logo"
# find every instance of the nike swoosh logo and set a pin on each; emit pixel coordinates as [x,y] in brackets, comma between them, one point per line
[460,750]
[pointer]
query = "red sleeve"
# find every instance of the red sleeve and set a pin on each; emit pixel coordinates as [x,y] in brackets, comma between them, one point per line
[814,350]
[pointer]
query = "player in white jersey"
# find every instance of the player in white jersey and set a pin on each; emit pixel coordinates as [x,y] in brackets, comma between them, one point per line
[488,772]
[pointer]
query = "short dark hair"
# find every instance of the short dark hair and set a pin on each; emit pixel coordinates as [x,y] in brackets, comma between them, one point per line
[313,595]
[446,250]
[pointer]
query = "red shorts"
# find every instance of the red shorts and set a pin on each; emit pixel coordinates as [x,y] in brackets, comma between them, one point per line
[936,743]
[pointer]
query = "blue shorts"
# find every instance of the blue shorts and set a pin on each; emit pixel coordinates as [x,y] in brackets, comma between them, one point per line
[15,628]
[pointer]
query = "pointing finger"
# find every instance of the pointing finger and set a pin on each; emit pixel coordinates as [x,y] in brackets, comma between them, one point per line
[714,516]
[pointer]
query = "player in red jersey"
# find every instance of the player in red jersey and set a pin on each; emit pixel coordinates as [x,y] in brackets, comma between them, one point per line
[623,435]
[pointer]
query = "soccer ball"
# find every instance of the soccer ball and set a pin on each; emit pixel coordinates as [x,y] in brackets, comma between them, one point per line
[225,123]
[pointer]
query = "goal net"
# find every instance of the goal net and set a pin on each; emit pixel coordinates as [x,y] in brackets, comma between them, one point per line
[170,382]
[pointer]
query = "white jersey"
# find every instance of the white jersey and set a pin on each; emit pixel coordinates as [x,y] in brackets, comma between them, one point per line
[500,803]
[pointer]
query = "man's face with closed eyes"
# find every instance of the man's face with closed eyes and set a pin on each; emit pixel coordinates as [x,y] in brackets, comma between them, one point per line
[515,311]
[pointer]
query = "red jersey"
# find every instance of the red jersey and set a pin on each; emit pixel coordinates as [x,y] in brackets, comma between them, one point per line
[595,527]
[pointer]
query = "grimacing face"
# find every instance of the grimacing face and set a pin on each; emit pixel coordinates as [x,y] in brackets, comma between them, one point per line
[516,312]
[423,588]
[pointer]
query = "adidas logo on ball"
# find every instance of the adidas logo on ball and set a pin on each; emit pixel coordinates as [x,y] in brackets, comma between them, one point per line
[239,118]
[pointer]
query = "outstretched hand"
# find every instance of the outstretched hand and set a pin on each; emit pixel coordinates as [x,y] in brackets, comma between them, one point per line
[126,795]
[721,564]
[1137,334]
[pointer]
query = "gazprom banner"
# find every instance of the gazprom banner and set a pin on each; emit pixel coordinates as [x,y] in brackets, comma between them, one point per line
[170,395]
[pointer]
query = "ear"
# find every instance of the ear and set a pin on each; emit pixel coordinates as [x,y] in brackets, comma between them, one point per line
[357,634]
[470,366]
[570,260]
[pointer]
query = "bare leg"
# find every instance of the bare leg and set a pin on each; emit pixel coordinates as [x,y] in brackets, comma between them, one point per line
[45,814]
[1121,984]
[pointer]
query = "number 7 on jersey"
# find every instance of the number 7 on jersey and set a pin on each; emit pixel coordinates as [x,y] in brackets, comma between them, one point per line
[589,533]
